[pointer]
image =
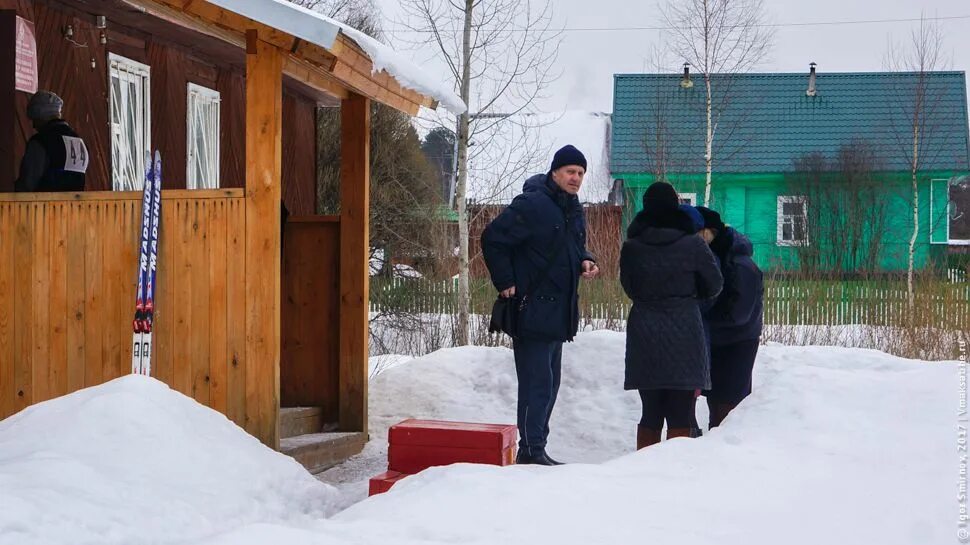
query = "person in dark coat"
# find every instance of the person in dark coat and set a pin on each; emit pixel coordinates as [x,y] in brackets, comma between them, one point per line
[734,321]
[697,225]
[535,251]
[667,271]
[56,158]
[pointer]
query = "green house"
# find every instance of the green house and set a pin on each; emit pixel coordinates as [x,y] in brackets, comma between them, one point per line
[814,168]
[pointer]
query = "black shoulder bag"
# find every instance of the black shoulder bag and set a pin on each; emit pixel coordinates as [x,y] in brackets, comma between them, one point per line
[505,310]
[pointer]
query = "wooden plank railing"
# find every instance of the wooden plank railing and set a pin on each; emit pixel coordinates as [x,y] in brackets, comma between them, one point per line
[67,289]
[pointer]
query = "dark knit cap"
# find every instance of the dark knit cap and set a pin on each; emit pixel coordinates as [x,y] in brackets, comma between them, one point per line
[712,220]
[568,155]
[660,197]
[696,219]
[44,105]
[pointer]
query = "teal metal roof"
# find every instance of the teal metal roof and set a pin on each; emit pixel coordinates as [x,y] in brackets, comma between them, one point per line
[769,121]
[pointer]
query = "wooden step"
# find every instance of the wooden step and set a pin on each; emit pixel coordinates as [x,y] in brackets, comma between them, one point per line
[300,421]
[320,451]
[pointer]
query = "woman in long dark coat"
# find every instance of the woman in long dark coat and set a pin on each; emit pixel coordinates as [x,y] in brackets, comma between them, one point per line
[734,322]
[667,271]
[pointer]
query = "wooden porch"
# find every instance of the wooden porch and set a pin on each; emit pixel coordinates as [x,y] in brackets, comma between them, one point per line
[247,321]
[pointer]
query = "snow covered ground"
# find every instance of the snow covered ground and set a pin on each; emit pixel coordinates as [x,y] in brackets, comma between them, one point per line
[132,461]
[836,445]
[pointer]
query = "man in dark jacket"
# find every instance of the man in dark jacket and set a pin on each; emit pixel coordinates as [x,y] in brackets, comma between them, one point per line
[535,251]
[667,271]
[735,320]
[56,158]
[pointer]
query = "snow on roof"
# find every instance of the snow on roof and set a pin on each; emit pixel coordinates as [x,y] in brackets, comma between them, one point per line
[504,153]
[321,30]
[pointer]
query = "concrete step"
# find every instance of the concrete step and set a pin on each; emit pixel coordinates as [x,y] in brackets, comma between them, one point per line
[300,420]
[320,451]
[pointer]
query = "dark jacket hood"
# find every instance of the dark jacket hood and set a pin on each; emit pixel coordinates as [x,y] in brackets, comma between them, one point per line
[539,182]
[542,183]
[671,220]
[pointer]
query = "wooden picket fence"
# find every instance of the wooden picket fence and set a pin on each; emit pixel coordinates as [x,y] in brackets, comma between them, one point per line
[942,303]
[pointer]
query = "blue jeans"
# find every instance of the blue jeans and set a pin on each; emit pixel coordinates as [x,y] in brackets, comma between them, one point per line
[538,366]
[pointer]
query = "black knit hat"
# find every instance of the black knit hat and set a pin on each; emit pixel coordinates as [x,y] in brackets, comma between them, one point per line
[712,220]
[568,155]
[660,197]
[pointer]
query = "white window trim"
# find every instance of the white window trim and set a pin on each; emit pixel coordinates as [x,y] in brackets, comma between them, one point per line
[691,198]
[123,66]
[787,199]
[212,96]
[949,204]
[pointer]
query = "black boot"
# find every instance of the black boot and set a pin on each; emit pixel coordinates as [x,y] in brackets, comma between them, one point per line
[554,462]
[537,457]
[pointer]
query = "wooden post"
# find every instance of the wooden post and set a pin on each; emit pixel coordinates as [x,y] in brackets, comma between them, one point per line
[8,114]
[354,260]
[264,98]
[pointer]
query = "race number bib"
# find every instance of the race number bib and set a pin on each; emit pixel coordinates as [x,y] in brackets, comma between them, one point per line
[76,155]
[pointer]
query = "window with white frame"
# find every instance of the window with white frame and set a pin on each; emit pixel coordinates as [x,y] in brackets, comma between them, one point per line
[203,138]
[958,213]
[129,83]
[792,221]
[688,198]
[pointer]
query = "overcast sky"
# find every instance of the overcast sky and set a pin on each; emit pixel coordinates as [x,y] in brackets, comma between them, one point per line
[590,58]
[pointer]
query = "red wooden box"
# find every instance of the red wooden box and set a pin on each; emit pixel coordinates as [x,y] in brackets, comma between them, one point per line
[438,433]
[383,482]
[416,458]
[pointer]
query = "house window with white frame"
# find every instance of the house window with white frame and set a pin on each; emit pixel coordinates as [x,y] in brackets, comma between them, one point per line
[792,221]
[203,138]
[958,212]
[129,84]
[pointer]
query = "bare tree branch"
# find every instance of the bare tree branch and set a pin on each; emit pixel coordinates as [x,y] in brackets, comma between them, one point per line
[492,70]
[915,119]
[723,38]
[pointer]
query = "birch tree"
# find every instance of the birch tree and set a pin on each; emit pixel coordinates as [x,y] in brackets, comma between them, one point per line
[915,116]
[500,57]
[717,38]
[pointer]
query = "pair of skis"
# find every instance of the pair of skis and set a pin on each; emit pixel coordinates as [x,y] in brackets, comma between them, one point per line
[141,352]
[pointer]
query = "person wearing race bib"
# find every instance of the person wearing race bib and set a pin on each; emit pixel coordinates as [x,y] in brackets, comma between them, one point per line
[56,158]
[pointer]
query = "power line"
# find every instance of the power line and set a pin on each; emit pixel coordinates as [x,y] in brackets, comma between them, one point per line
[642,28]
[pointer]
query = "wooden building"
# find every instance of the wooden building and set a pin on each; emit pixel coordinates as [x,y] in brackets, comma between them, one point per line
[229,99]
[815,168]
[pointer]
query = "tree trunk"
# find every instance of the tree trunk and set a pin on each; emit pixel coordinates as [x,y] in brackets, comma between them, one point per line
[708,145]
[709,138]
[910,273]
[464,292]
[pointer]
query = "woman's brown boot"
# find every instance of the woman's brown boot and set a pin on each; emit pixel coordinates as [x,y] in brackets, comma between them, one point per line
[647,436]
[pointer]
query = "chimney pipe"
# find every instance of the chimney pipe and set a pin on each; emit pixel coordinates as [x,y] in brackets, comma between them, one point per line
[686,83]
[811,91]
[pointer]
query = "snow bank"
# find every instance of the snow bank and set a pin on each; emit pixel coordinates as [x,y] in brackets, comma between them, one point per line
[835,445]
[804,460]
[849,445]
[132,461]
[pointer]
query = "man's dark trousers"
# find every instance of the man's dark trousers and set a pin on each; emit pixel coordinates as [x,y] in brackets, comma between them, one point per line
[538,365]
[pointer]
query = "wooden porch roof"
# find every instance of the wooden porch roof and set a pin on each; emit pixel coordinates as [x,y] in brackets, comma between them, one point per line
[220,34]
